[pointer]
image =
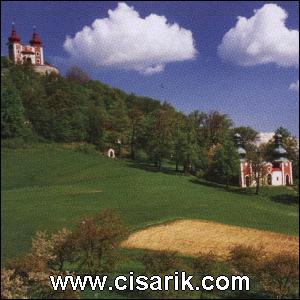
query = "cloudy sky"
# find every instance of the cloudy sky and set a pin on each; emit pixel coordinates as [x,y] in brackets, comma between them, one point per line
[241,58]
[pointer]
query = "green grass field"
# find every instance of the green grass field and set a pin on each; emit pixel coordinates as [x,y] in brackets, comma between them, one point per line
[50,187]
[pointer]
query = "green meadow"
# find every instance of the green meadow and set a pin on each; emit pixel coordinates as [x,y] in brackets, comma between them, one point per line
[48,186]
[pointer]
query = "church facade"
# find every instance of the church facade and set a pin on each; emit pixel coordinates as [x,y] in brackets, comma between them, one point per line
[31,53]
[277,172]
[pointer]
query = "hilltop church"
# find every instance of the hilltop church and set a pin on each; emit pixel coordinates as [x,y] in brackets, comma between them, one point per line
[278,172]
[32,54]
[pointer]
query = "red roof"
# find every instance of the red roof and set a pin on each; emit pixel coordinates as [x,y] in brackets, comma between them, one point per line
[35,40]
[276,169]
[13,37]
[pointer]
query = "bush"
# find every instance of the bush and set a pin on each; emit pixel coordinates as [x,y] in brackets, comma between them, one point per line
[276,274]
[200,173]
[160,263]
[279,275]
[206,264]
[141,156]
[91,248]
[246,260]
[35,267]
[12,285]
[97,240]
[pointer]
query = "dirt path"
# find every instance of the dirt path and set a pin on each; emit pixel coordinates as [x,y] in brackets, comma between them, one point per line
[191,237]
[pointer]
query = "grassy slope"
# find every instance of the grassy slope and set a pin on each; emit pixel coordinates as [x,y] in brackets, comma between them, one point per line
[48,187]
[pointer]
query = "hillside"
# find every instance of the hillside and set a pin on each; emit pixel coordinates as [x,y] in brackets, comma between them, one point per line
[48,186]
[77,109]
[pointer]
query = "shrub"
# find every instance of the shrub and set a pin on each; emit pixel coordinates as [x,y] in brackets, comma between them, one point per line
[206,264]
[163,263]
[92,248]
[276,274]
[246,260]
[279,275]
[34,268]
[141,156]
[12,285]
[97,240]
[160,262]
[200,173]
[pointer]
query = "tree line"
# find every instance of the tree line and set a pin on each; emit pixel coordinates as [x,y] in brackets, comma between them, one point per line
[75,108]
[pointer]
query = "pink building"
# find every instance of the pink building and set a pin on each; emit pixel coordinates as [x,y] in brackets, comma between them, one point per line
[278,172]
[31,53]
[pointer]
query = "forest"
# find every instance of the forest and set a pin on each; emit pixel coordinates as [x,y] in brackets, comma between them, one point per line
[94,116]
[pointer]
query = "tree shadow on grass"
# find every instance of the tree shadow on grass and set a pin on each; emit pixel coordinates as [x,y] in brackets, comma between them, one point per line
[151,168]
[231,189]
[286,199]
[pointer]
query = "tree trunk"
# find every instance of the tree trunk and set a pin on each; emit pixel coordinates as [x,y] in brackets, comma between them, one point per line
[184,167]
[132,152]
[257,183]
[227,181]
[177,163]
[159,165]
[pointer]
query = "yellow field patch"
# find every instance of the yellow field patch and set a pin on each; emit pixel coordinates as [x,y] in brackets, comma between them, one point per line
[191,237]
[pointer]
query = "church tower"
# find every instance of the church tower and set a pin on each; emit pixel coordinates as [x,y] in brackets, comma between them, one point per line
[14,46]
[36,43]
[245,167]
[282,168]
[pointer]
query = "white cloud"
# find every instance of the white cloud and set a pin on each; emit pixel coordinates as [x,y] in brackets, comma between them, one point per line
[264,137]
[294,86]
[263,38]
[128,41]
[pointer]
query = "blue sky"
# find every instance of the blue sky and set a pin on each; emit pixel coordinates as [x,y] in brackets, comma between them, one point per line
[257,95]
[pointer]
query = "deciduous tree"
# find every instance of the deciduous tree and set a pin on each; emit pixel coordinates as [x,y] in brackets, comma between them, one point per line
[97,240]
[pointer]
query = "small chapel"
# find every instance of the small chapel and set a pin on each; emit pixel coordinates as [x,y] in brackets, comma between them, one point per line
[278,171]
